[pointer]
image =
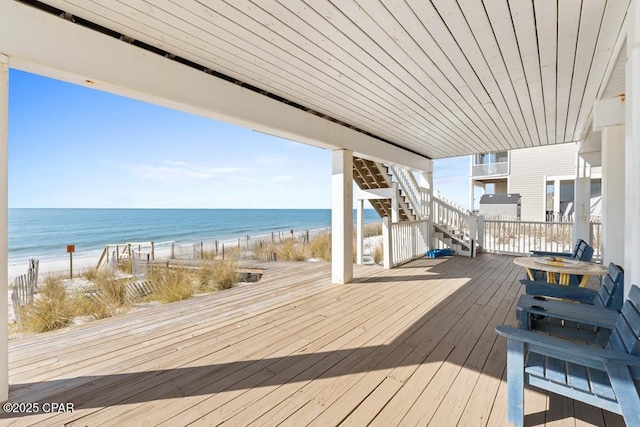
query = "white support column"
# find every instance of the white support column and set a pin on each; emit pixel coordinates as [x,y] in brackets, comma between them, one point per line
[613,195]
[342,216]
[395,203]
[556,200]
[582,202]
[4,214]
[472,194]
[386,243]
[359,233]
[632,149]
[426,186]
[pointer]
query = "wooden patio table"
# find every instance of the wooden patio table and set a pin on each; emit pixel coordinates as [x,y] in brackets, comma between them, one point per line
[563,267]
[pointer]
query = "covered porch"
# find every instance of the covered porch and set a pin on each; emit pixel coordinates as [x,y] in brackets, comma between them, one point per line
[415,345]
[397,83]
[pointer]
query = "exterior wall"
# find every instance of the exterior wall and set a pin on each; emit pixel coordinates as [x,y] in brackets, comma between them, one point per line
[501,187]
[529,169]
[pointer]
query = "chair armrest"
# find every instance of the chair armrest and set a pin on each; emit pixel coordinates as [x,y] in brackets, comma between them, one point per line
[545,253]
[586,314]
[573,293]
[567,350]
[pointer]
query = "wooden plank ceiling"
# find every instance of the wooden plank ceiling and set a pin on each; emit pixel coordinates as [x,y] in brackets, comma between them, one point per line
[442,78]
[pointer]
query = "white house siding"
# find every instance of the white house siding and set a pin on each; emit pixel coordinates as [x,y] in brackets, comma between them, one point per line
[529,169]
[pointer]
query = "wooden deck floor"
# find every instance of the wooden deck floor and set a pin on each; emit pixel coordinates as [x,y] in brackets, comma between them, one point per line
[411,346]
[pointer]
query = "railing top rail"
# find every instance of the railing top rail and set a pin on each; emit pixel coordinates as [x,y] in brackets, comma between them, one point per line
[515,221]
[417,221]
[454,208]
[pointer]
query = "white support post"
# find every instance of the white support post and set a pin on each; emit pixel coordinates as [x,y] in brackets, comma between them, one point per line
[386,242]
[480,232]
[342,216]
[582,202]
[556,200]
[426,185]
[395,203]
[632,149]
[359,233]
[4,215]
[473,229]
[612,195]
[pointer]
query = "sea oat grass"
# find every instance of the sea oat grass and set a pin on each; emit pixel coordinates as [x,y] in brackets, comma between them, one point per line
[377,254]
[107,297]
[90,274]
[224,274]
[51,309]
[172,284]
[371,230]
[320,246]
[289,250]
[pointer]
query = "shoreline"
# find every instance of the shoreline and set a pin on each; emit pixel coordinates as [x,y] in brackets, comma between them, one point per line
[59,265]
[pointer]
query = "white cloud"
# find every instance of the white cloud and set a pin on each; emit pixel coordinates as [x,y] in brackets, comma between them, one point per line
[179,170]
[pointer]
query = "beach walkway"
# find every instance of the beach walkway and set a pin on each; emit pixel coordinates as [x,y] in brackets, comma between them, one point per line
[410,346]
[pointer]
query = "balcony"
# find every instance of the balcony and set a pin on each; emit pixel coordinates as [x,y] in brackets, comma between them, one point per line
[490,169]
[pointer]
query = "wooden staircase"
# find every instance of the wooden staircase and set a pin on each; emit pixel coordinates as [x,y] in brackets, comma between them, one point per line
[371,175]
[453,239]
[452,225]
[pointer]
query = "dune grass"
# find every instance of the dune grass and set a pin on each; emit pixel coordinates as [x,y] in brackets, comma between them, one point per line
[224,274]
[320,246]
[106,298]
[90,274]
[172,284]
[372,229]
[289,250]
[377,254]
[51,309]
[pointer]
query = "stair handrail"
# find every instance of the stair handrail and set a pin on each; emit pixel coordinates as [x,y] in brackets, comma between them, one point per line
[408,183]
[469,225]
[452,203]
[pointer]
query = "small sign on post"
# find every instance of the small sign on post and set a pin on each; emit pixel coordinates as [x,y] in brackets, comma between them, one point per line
[70,250]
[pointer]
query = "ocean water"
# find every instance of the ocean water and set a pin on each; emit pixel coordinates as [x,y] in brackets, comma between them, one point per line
[44,233]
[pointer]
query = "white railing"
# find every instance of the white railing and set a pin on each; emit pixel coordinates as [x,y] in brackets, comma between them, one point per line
[522,237]
[451,217]
[489,169]
[459,222]
[452,203]
[407,240]
[410,187]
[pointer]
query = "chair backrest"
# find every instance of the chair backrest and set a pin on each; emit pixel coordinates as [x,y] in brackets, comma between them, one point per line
[611,293]
[626,334]
[582,251]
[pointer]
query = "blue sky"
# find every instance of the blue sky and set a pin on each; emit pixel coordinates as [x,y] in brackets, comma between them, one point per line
[71,146]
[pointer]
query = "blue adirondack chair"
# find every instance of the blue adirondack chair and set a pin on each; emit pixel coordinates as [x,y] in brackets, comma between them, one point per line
[608,378]
[581,252]
[559,317]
